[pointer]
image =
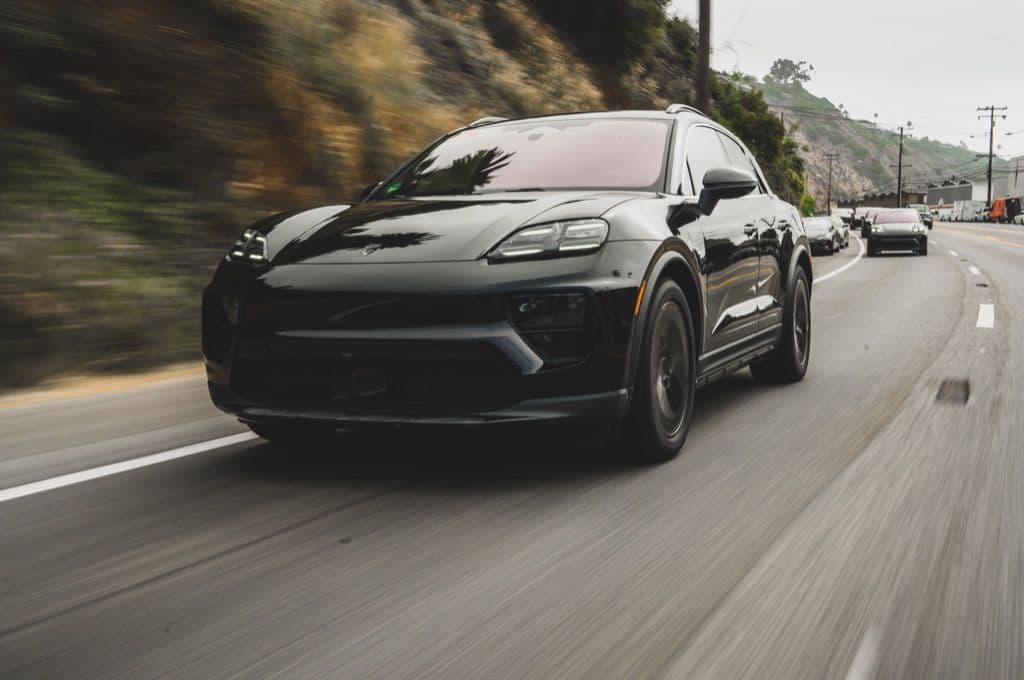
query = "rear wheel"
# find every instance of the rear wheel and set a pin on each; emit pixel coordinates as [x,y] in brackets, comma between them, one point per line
[788,361]
[659,417]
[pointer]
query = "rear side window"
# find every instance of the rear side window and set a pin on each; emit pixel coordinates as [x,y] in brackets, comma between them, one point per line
[703,152]
[739,159]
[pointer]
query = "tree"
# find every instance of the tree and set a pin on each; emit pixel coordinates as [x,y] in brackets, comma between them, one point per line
[786,72]
[610,33]
[808,206]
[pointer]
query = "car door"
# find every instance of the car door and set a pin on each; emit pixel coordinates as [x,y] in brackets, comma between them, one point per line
[771,228]
[731,248]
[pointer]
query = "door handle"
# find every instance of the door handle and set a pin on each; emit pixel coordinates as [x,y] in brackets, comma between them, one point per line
[749,229]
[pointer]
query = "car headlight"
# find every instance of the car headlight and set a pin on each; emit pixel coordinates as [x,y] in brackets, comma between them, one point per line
[875,229]
[251,247]
[918,229]
[569,237]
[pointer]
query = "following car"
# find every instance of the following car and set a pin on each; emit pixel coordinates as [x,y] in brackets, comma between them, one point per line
[590,269]
[924,212]
[822,235]
[898,229]
[842,230]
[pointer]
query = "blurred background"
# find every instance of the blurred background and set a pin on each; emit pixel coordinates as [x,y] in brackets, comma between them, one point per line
[139,137]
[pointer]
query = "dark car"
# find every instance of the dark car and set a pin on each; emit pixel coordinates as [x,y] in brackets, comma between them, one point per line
[822,235]
[585,268]
[898,229]
[924,211]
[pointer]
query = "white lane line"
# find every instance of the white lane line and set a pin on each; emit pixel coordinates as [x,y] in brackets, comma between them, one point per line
[933,243]
[974,270]
[864,661]
[13,492]
[954,253]
[986,316]
[860,254]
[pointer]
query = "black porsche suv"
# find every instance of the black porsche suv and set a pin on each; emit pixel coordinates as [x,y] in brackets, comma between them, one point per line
[589,268]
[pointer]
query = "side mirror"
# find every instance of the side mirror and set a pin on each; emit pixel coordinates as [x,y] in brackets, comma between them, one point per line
[719,184]
[365,193]
[724,183]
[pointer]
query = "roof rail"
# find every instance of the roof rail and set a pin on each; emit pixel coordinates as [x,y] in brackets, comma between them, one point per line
[488,120]
[679,108]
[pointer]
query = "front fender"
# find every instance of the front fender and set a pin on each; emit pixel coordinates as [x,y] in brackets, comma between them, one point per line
[674,258]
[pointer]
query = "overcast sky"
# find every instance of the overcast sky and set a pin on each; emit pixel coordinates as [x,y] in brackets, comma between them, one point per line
[931,62]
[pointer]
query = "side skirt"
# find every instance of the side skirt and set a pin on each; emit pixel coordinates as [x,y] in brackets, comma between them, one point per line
[737,355]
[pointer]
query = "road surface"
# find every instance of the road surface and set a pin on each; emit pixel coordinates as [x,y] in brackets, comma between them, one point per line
[850,526]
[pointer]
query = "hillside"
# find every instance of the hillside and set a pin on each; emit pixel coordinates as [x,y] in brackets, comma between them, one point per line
[867,153]
[140,136]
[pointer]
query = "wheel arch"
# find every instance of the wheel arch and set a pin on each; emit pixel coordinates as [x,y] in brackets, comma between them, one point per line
[675,261]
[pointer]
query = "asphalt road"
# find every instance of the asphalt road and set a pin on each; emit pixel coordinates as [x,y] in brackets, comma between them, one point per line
[850,526]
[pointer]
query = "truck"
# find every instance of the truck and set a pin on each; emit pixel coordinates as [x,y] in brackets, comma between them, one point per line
[967,211]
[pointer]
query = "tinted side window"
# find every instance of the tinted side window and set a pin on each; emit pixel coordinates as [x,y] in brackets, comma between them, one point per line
[739,159]
[703,152]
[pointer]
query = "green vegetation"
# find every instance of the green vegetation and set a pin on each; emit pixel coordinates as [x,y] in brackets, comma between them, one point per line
[140,136]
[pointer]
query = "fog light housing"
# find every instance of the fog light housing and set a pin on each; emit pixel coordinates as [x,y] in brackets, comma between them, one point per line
[548,311]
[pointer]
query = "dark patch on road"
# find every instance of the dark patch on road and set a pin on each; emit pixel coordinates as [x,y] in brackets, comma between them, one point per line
[954,391]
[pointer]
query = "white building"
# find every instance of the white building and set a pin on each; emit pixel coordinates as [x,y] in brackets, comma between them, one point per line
[1015,178]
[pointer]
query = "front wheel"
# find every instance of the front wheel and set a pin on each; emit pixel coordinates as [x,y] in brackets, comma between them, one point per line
[788,361]
[659,417]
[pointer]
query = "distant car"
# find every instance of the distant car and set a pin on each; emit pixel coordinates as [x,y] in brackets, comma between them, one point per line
[896,229]
[868,216]
[842,230]
[924,212]
[1019,219]
[821,235]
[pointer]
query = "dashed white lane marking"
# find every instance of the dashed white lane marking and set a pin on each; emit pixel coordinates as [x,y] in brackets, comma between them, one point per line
[954,253]
[863,666]
[986,316]
[13,492]
[860,254]
[974,270]
[933,243]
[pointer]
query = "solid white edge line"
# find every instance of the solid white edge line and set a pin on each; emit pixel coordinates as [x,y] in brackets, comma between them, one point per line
[860,254]
[32,488]
[986,316]
[974,270]
[866,656]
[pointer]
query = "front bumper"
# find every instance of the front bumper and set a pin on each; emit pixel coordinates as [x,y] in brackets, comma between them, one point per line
[304,351]
[821,245]
[908,241]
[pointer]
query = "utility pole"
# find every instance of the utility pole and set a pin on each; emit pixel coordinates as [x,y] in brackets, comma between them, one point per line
[991,132]
[831,158]
[899,171]
[704,58]
[899,180]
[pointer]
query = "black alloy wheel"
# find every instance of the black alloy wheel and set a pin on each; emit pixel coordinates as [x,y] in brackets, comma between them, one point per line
[659,417]
[788,362]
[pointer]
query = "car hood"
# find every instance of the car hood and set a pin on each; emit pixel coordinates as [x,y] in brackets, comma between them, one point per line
[434,229]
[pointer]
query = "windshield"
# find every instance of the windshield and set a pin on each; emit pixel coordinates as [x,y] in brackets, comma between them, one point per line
[903,216]
[919,208]
[604,153]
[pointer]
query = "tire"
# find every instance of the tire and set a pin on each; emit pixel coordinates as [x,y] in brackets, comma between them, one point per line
[289,435]
[923,250]
[659,417]
[788,362]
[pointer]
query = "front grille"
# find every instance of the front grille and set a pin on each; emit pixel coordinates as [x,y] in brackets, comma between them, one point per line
[375,376]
